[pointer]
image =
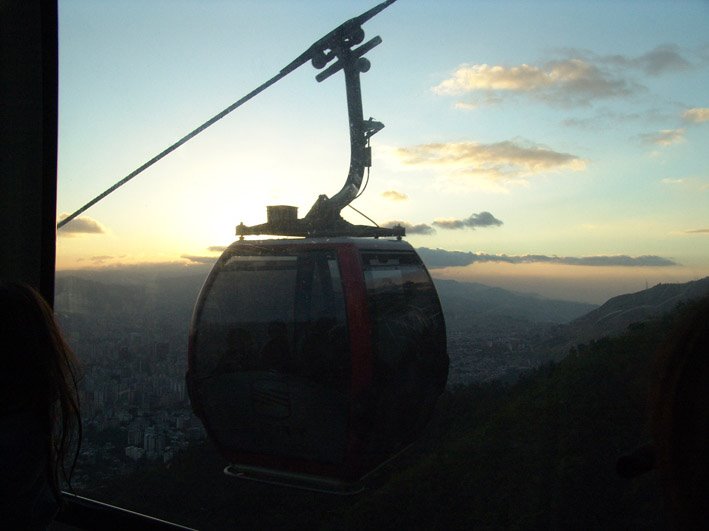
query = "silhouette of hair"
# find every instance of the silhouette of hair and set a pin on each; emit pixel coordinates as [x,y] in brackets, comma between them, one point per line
[39,375]
[680,418]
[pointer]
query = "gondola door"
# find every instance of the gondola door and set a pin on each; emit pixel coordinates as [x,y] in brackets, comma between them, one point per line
[270,359]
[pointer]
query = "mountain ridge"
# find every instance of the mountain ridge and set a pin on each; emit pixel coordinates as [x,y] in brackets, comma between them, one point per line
[482,300]
[461,300]
[619,312]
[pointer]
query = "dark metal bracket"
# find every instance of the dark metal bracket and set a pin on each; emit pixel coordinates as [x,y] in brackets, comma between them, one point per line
[324,219]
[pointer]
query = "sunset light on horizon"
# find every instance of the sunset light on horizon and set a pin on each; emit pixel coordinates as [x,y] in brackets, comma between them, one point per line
[551,148]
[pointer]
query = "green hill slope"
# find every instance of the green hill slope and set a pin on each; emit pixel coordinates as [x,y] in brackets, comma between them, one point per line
[537,455]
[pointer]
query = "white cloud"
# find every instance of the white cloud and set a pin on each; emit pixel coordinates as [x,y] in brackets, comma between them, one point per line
[80,225]
[691,184]
[393,195]
[673,181]
[466,106]
[580,78]
[506,162]
[696,115]
[196,259]
[664,137]
[566,82]
[468,78]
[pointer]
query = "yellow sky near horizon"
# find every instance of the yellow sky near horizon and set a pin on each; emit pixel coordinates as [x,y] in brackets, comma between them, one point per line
[584,283]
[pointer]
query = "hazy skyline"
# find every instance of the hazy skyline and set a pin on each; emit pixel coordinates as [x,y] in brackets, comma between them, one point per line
[558,148]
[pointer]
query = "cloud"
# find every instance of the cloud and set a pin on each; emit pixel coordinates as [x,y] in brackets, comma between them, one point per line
[476,100]
[101,259]
[696,115]
[80,225]
[662,59]
[216,248]
[501,161]
[692,183]
[673,182]
[437,258]
[468,78]
[199,259]
[665,58]
[579,78]
[664,137]
[421,228]
[465,105]
[484,219]
[393,195]
[697,231]
[604,119]
[566,82]
[130,273]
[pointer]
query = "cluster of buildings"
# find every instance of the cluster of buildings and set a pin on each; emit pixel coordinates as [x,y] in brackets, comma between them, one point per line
[161,440]
[476,358]
[134,404]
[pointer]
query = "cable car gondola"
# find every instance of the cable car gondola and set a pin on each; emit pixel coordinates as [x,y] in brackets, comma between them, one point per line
[313,360]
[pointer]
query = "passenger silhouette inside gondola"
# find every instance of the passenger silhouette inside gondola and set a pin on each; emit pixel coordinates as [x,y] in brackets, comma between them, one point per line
[238,355]
[275,354]
[323,352]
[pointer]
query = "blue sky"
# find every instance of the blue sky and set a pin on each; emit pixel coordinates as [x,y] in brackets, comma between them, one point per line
[580,128]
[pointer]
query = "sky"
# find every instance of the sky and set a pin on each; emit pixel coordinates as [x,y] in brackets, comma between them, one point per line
[559,148]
